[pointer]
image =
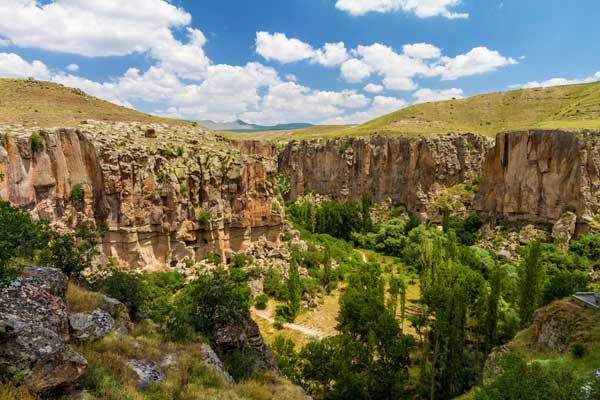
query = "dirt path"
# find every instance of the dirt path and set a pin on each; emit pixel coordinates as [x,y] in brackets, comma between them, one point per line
[302,329]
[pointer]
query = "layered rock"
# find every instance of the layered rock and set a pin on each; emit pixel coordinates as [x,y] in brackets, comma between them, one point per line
[168,193]
[406,170]
[540,175]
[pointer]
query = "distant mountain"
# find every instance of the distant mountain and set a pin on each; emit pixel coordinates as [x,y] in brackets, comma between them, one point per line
[241,126]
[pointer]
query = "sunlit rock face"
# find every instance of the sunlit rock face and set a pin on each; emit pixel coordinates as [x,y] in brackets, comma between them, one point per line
[168,193]
[407,170]
[540,175]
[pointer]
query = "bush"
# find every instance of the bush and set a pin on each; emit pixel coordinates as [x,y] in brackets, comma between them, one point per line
[274,285]
[578,350]
[261,301]
[37,142]
[239,363]
[125,287]
[562,285]
[204,218]
[240,261]
[285,313]
[77,193]
[214,259]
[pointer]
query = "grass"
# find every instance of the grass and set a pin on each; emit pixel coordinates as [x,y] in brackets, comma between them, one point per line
[10,392]
[82,300]
[559,107]
[45,104]
[312,132]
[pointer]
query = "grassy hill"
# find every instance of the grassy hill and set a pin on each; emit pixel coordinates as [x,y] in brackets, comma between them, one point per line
[45,104]
[565,107]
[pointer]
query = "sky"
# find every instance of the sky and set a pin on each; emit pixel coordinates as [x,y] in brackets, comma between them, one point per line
[283,61]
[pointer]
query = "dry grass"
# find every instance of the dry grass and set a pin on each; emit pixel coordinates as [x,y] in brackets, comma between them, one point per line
[10,392]
[82,300]
[44,104]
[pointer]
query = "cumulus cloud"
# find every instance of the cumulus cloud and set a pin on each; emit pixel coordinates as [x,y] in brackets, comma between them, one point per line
[88,27]
[373,88]
[477,61]
[427,95]
[423,51]
[331,55]
[13,66]
[556,82]
[72,67]
[380,105]
[421,8]
[355,70]
[278,47]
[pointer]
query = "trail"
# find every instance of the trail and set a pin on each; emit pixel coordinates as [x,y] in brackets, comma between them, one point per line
[295,327]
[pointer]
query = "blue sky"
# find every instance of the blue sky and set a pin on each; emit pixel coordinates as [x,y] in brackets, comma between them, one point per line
[319,61]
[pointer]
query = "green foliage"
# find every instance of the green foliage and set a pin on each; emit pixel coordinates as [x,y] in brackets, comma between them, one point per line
[240,260]
[335,218]
[562,285]
[125,287]
[214,259]
[239,362]
[284,313]
[578,350]
[587,246]
[204,218]
[77,193]
[288,360]
[294,287]
[531,276]
[283,184]
[520,380]
[274,285]
[37,142]
[260,302]
[209,301]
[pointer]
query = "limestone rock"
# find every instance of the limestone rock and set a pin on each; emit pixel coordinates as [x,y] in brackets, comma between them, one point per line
[33,329]
[563,229]
[87,327]
[148,372]
[119,312]
[211,359]
[560,324]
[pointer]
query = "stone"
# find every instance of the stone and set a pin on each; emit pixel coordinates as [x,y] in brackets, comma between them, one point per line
[150,133]
[34,329]
[148,372]
[211,359]
[88,327]
[563,229]
[119,312]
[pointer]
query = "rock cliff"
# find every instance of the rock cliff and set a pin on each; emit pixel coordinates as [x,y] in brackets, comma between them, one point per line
[407,170]
[540,175]
[168,193]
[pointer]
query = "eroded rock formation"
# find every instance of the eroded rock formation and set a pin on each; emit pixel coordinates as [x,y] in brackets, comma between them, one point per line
[168,193]
[407,170]
[540,175]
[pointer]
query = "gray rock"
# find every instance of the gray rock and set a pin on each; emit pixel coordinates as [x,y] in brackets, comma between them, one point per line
[148,372]
[33,331]
[87,327]
[211,359]
[119,312]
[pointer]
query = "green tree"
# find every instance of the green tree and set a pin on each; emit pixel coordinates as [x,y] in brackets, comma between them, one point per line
[294,285]
[531,275]
[493,301]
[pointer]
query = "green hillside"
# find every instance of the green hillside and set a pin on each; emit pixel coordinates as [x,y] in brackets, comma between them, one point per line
[565,107]
[45,104]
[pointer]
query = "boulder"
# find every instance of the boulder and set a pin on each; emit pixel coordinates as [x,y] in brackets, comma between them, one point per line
[244,334]
[87,327]
[119,312]
[563,229]
[33,332]
[211,359]
[148,372]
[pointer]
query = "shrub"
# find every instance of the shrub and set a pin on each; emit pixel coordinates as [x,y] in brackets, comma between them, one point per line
[562,285]
[261,301]
[285,313]
[274,285]
[240,261]
[239,363]
[214,259]
[37,142]
[204,218]
[578,350]
[125,287]
[77,193]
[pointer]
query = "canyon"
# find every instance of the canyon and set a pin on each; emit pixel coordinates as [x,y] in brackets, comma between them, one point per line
[173,195]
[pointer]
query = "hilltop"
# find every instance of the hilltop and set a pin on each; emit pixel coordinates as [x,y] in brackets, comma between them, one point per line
[44,104]
[558,107]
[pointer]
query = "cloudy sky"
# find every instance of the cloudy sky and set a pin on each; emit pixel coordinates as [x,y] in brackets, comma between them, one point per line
[277,61]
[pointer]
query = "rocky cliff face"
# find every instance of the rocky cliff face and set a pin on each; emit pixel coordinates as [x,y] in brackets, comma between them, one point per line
[168,194]
[540,175]
[407,170]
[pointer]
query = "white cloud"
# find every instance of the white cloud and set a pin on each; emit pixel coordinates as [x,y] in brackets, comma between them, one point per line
[421,8]
[373,88]
[556,82]
[331,55]
[72,67]
[4,42]
[355,70]
[13,66]
[427,95]
[423,51]
[279,47]
[88,27]
[291,78]
[380,105]
[477,61]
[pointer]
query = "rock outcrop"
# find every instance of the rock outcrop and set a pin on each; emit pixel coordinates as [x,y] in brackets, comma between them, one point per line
[34,329]
[169,194]
[87,327]
[407,170]
[539,175]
